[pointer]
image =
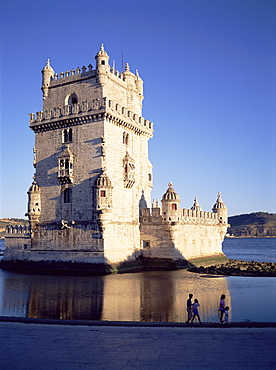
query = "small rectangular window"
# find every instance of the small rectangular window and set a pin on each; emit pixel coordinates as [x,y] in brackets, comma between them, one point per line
[67,196]
[103,193]
[146,244]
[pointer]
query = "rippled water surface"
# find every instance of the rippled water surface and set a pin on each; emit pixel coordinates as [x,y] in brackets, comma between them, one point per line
[251,249]
[145,296]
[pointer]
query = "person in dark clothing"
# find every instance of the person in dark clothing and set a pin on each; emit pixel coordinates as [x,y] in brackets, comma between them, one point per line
[221,307]
[189,308]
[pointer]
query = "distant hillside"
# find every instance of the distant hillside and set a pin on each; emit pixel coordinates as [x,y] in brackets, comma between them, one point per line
[11,221]
[259,224]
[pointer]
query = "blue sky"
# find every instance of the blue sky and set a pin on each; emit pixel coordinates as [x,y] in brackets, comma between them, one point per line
[209,83]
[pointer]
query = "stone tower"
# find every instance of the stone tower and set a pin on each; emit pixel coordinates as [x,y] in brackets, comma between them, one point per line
[88,205]
[91,165]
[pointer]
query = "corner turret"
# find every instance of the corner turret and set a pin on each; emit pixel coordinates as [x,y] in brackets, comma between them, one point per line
[34,203]
[220,208]
[171,205]
[129,77]
[103,188]
[47,74]
[102,65]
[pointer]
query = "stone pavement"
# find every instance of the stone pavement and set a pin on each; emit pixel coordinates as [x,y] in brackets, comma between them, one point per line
[42,346]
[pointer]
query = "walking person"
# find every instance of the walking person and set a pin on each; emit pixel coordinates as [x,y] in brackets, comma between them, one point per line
[221,307]
[195,311]
[189,308]
[226,315]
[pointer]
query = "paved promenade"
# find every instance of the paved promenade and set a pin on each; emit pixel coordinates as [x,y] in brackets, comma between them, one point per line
[41,346]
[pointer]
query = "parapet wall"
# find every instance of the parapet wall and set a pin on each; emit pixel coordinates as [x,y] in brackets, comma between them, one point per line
[17,229]
[81,73]
[91,106]
[187,216]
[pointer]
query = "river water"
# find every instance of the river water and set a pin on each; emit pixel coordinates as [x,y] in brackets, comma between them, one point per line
[158,296]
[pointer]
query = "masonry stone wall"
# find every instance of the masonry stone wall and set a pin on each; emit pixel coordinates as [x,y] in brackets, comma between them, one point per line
[185,238]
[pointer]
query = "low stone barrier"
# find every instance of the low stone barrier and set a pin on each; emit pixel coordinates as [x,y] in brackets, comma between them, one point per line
[238,268]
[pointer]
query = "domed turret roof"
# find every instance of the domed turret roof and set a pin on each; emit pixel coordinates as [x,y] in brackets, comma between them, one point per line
[219,203]
[48,67]
[171,194]
[102,52]
[196,206]
[103,180]
[34,187]
[127,71]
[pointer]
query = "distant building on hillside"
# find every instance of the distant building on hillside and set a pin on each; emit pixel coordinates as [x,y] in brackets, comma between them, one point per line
[89,201]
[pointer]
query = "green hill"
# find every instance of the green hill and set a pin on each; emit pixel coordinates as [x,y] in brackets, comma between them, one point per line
[260,224]
[11,221]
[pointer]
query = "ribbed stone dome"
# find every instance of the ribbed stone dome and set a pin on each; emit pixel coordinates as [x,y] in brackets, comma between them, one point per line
[196,206]
[219,203]
[170,194]
[103,181]
[101,52]
[34,187]
[48,67]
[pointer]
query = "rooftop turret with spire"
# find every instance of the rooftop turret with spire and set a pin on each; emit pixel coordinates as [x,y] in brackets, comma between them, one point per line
[47,74]
[34,203]
[171,205]
[220,208]
[102,65]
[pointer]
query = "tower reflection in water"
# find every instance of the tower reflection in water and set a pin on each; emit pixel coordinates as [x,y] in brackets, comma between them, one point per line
[147,296]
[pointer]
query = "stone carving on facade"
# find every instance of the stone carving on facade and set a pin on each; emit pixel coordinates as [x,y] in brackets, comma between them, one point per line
[64,224]
[129,171]
[65,166]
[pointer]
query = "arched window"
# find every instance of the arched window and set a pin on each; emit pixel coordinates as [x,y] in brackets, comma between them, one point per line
[71,99]
[174,206]
[67,196]
[70,136]
[149,176]
[125,138]
[67,135]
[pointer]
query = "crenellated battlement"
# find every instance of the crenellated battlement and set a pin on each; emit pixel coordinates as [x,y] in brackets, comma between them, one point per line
[93,105]
[192,214]
[84,72]
[188,216]
[17,229]
[120,110]
[67,110]
[80,72]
